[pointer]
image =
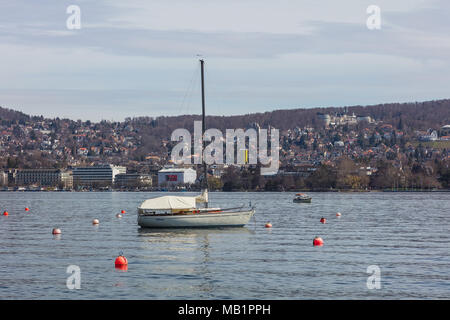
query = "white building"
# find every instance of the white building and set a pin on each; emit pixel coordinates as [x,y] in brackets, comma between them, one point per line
[445,130]
[338,120]
[173,176]
[367,119]
[96,175]
[431,135]
[3,178]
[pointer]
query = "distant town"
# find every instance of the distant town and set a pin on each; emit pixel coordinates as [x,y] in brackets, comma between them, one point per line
[387,147]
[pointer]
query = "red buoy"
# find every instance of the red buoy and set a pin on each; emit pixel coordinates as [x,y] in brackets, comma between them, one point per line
[323,220]
[56,231]
[27,209]
[5,213]
[121,261]
[123,211]
[318,241]
[122,267]
[268,225]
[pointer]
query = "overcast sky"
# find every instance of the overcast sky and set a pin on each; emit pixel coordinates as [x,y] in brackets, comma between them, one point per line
[139,58]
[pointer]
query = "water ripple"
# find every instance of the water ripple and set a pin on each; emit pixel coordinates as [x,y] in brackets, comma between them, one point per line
[405,234]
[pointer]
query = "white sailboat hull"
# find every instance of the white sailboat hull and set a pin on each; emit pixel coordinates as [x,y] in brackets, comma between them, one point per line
[200,220]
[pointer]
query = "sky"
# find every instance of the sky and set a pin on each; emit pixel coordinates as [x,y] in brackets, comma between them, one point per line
[140,57]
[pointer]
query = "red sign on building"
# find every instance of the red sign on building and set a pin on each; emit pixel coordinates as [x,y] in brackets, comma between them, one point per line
[171,177]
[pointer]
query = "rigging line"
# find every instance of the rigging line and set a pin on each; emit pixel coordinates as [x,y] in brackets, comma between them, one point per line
[188,89]
[194,88]
[186,94]
[189,95]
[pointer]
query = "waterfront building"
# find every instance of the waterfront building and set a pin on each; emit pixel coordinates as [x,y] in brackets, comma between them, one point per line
[173,176]
[133,180]
[3,178]
[99,175]
[67,179]
[43,177]
[12,175]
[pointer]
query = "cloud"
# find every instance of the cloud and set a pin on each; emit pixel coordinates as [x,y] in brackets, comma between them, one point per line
[249,29]
[260,54]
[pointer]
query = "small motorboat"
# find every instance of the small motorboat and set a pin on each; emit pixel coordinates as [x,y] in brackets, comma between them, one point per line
[302,198]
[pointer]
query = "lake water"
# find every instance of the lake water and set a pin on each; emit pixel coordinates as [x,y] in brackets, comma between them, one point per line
[407,235]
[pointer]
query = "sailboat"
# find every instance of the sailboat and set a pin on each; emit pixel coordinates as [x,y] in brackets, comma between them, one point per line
[191,212]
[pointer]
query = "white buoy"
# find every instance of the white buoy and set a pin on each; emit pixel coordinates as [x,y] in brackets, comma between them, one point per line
[95,221]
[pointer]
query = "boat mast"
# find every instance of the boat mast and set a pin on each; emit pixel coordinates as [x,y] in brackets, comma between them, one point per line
[205,171]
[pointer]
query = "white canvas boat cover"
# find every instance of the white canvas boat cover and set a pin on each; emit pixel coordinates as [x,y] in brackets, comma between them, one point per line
[169,202]
[203,197]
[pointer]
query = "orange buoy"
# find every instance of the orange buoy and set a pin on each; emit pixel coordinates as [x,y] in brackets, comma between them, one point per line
[318,241]
[268,225]
[121,261]
[118,215]
[5,213]
[27,209]
[123,211]
[56,231]
[338,214]
[323,220]
[95,221]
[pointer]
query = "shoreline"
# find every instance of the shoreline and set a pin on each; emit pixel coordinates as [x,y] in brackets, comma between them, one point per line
[254,191]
